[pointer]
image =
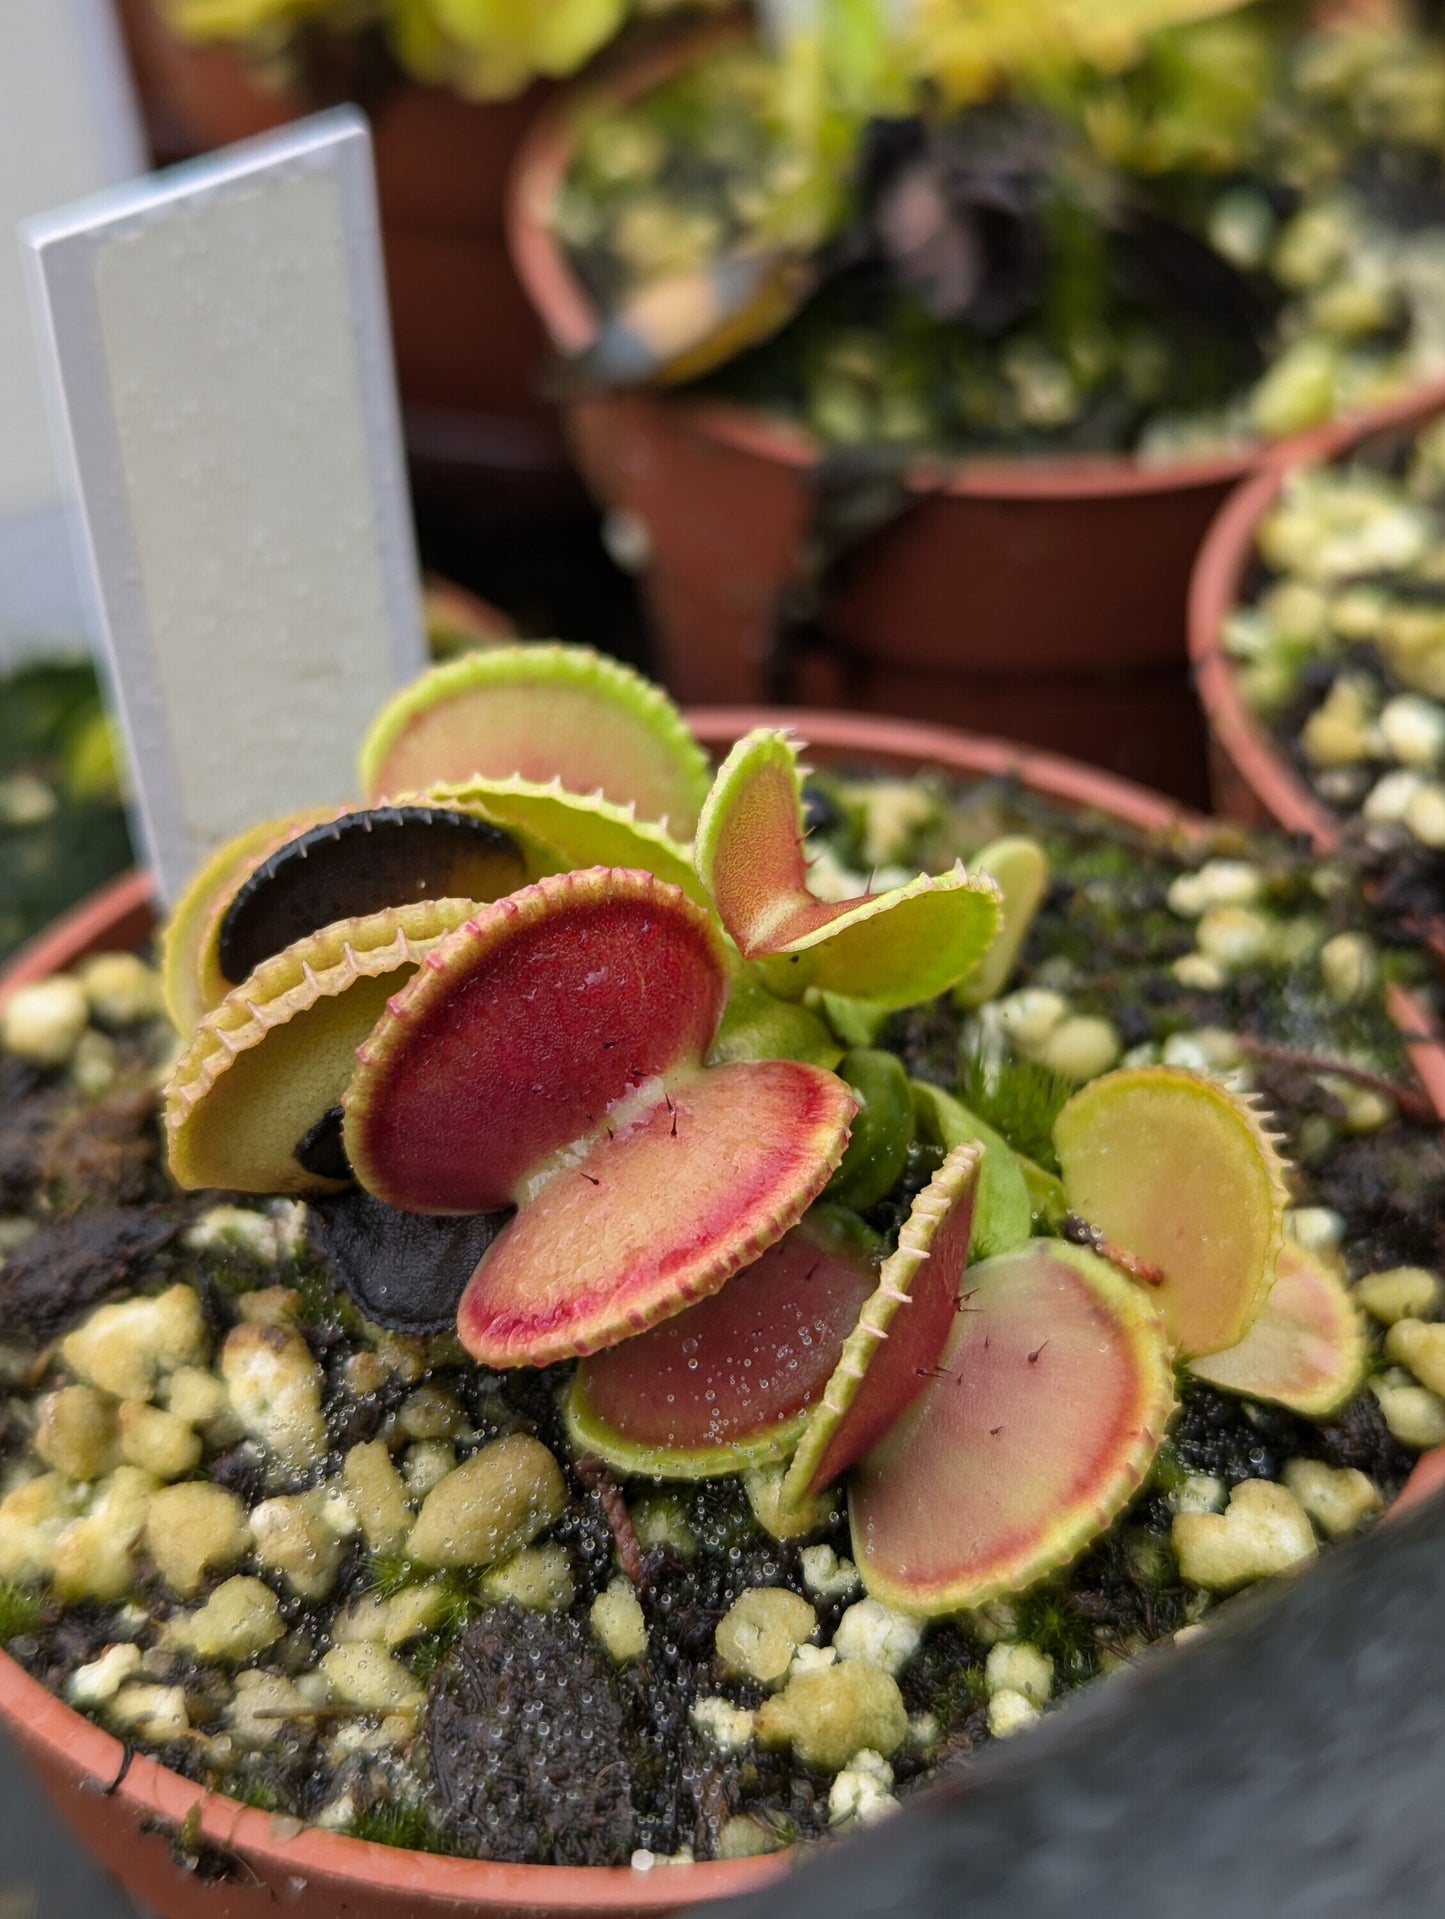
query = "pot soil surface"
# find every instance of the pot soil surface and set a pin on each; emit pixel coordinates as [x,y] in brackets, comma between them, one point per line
[1336,650]
[213,1461]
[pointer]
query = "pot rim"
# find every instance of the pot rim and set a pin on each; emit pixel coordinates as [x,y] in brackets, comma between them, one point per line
[570,317]
[119,913]
[1214,592]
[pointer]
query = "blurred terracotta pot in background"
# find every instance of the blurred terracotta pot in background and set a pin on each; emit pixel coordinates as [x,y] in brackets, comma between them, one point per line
[1251,780]
[1041,598]
[468,346]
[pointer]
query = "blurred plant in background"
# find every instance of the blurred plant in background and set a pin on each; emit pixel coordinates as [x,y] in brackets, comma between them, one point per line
[62,822]
[484,49]
[1162,226]
[845,62]
[969,51]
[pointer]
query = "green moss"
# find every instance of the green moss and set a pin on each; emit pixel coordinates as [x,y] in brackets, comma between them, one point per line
[1016,1097]
[20,1611]
[1049,1620]
[254,1789]
[422,1660]
[391,1573]
[323,1302]
[235,1271]
[946,1678]
[398,1824]
[233,1276]
[462,1607]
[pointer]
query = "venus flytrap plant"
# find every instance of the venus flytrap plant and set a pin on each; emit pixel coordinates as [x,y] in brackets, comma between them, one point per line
[586,1103]
[553,1058]
[893,948]
[1032,1412]
[637,1074]
[572,1122]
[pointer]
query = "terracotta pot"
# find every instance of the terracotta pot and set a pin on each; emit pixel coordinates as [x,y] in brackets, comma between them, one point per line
[1251,780]
[1044,595]
[467,342]
[1427,1477]
[201,96]
[280,1863]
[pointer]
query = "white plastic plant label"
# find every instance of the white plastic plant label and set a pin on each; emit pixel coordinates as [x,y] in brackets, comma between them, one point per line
[68,126]
[221,373]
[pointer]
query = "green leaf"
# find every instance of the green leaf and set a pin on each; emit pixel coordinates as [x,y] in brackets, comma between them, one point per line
[1003,1210]
[894,948]
[565,832]
[1020,869]
[1018,1097]
[881,1131]
[758,1025]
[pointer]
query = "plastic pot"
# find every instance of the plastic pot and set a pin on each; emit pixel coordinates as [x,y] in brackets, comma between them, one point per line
[129,1815]
[1043,598]
[1251,779]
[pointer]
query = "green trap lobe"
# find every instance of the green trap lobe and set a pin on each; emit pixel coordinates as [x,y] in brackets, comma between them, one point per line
[563,831]
[265,1067]
[541,712]
[1175,1169]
